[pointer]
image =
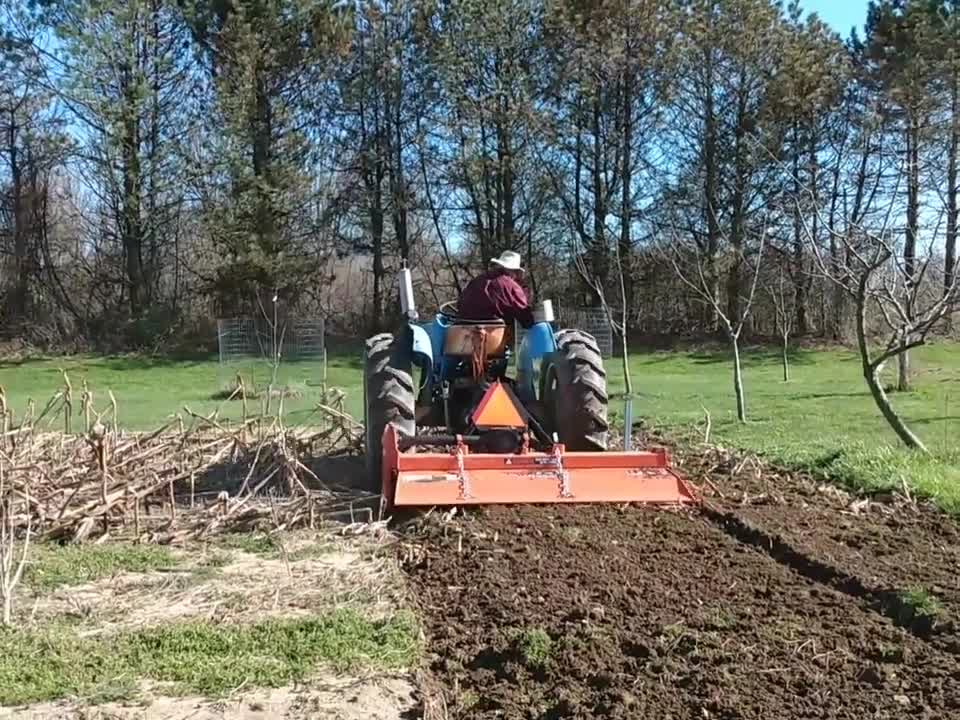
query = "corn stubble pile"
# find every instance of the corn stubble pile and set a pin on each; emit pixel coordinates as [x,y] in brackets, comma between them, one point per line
[191,477]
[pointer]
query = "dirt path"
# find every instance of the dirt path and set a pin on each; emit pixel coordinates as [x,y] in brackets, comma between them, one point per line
[332,698]
[655,614]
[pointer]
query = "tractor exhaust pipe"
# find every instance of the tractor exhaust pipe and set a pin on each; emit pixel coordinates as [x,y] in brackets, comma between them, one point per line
[407,304]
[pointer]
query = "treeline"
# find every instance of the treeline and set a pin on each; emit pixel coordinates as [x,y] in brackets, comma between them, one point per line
[165,162]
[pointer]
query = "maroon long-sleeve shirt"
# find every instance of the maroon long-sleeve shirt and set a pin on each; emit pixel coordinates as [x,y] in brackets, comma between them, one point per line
[495,295]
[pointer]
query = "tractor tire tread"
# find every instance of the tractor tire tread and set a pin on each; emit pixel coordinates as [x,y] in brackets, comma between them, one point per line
[589,426]
[566,337]
[584,356]
[389,399]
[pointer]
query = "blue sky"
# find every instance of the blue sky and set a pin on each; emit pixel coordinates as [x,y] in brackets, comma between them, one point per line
[841,14]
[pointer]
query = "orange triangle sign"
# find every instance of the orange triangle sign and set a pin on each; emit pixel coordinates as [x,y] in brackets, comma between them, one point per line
[497,409]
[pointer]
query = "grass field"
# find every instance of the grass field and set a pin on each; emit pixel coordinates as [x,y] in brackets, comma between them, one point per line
[151,390]
[823,418]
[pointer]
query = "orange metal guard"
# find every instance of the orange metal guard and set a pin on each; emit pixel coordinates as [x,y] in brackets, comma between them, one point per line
[463,478]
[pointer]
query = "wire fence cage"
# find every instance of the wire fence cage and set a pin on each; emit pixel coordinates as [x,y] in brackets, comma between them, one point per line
[248,348]
[592,320]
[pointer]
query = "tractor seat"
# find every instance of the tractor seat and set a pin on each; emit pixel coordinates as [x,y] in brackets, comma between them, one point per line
[464,336]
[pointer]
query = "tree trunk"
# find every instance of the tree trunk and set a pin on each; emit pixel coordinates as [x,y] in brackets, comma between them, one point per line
[710,190]
[871,373]
[626,203]
[375,190]
[786,358]
[261,127]
[903,371]
[799,286]
[398,190]
[872,376]
[132,222]
[835,320]
[489,238]
[506,181]
[599,259]
[738,377]
[910,245]
[739,210]
[839,296]
[952,189]
[17,304]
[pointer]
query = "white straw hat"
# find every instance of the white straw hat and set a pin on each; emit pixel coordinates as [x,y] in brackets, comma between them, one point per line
[508,260]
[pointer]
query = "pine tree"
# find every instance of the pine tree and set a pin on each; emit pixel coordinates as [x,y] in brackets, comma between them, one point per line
[485,57]
[804,100]
[270,63]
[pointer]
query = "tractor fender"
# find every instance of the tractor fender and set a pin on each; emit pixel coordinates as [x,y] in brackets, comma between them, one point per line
[537,345]
[420,346]
[421,354]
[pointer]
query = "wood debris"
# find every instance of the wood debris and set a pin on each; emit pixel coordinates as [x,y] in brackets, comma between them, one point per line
[180,481]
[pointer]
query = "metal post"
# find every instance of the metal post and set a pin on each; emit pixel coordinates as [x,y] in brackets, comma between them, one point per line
[628,423]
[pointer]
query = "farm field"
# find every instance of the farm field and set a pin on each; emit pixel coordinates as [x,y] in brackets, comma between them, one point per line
[780,600]
[784,596]
[822,419]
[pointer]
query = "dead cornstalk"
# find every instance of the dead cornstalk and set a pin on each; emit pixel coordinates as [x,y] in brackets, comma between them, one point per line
[11,567]
[4,417]
[116,414]
[86,400]
[67,403]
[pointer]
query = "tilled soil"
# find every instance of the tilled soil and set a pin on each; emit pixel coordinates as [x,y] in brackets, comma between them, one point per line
[741,610]
[872,547]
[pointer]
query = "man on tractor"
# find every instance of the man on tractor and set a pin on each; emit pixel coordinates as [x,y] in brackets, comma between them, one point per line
[497,294]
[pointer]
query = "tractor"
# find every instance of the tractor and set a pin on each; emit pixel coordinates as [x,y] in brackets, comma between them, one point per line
[457,412]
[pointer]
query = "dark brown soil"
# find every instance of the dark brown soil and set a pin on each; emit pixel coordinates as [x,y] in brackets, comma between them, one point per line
[885,544]
[757,608]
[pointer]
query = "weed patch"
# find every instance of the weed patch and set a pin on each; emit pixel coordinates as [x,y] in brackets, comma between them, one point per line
[251,543]
[312,551]
[197,657]
[53,566]
[917,608]
[883,469]
[535,647]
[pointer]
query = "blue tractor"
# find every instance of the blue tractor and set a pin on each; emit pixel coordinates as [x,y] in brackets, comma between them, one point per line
[515,426]
[559,382]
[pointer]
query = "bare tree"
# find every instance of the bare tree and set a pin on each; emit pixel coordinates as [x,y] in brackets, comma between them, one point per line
[695,270]
[905,296]
[783,298]
[618,326]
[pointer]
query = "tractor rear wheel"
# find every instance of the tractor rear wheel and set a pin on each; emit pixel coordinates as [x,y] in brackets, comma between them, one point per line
[388,398]
[575,393]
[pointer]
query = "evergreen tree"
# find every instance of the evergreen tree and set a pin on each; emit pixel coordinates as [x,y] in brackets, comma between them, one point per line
[271,63]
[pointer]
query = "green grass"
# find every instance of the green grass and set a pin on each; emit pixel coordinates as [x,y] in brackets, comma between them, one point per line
[53,566]
[823,419]
[149,391]
[535,647]
[916,605]
[263,544]
[196,657]
[253,543]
